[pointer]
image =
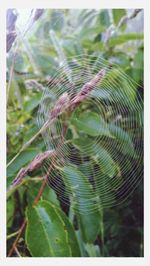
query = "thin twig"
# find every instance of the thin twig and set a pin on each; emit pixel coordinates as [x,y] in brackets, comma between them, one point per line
[40,192]
[17,252]
[17,238]
[12,235]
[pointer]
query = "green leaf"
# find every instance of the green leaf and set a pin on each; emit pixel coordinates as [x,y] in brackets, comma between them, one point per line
[72,239]
[49,232]
[104,18]
[104,159]
[20,161]
[118,14]
[104,189]
[107,165]
[33,102]
[86,19]
[138,65]
[10,211]
[21,62]
[100,93]
[92,250]
[117,40]
[57,20]
[90,33]
[126,144]
[86,204]
[81,243]
[91,123]
[48,193]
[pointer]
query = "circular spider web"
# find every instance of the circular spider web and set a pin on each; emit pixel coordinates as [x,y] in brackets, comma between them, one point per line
[97,144]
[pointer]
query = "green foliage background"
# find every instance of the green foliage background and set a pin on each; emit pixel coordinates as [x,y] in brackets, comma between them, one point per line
[53,230]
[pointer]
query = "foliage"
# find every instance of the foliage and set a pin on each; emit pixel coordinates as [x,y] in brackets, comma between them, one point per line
[53,227]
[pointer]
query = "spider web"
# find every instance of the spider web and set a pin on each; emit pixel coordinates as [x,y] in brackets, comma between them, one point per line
[101,168]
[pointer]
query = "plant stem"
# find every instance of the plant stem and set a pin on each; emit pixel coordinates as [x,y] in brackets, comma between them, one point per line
[12,235]
[17,252]
[40,190]
[20,231]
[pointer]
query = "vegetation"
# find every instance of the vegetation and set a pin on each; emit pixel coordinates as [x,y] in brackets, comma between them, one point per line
[74,134]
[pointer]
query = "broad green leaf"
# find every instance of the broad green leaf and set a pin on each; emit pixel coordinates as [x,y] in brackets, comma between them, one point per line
[86,204]
[49,232]
[91,123]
